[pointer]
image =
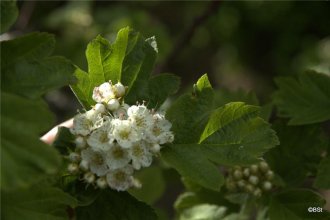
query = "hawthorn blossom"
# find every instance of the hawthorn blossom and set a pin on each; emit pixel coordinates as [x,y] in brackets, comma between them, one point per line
[124,133]
[141,156]
[96,161]
[120,179]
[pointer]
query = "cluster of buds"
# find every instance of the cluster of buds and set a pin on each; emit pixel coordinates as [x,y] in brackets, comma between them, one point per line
[254,179]
[113,139]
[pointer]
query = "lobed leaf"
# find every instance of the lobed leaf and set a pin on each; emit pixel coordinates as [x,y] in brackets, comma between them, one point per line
[115,205]
[24,158]
[293,205]
[42,202]
[26,69]
[9,13]
[230,135]
[299,152]
[129,59]
[305,100]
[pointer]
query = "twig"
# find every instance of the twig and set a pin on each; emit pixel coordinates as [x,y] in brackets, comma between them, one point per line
[187,34]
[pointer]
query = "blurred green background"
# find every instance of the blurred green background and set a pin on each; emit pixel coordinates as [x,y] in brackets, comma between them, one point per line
[241,45]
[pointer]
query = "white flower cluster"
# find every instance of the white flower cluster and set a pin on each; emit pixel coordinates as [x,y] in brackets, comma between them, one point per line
[113,139]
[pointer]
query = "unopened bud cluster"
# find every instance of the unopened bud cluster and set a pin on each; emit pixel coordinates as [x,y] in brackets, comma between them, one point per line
[254,179]
[113,139]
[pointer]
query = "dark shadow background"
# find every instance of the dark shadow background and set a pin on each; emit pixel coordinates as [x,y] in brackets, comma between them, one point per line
[241,45]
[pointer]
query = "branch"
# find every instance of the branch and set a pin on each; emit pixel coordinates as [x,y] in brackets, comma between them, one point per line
[188,33]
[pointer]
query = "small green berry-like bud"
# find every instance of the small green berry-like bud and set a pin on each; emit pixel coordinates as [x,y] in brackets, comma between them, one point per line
[249,188]
[89,177]
[254,180]
[270,175]
[238,174]
[254,169]
[73,168]
[101,183]
[241,184]
[231,186]
[257,192]
[246,172]
[267,185]
[263,166]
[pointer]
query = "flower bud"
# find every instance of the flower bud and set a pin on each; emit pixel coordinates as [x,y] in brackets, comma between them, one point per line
[74,157]
[84,165]
[238,174]
[257,192]
[267,185]
[102,182]
[246,172]
[263,166]
[73,168]
[269,175]
[89,177]
[99,108]
[113,104]
[80,142]
[254,169]
[241,183]
[254,180]
[249,188]
[119,89]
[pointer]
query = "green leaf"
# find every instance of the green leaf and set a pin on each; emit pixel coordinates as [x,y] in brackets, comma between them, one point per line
[203,211]
[153,185]
[305,100]
[27,71]
[160,87]
[231,135]
[129,59]
[186,200]
[299,152]
[9,13]
[190,161]
[115,205]
[39,202]
[28,158]
[323,178]
[294,204]
[235,135]
[64,141]
[33,46]
[189,113]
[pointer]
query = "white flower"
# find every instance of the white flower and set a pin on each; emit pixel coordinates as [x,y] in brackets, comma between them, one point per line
[160,131]
[103,93]
[140,116]
[141,157]
[84,123]
[119,89]
[96,161]
[120,179]
[113,104]
[99,140]
[117,157]
[124,133]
